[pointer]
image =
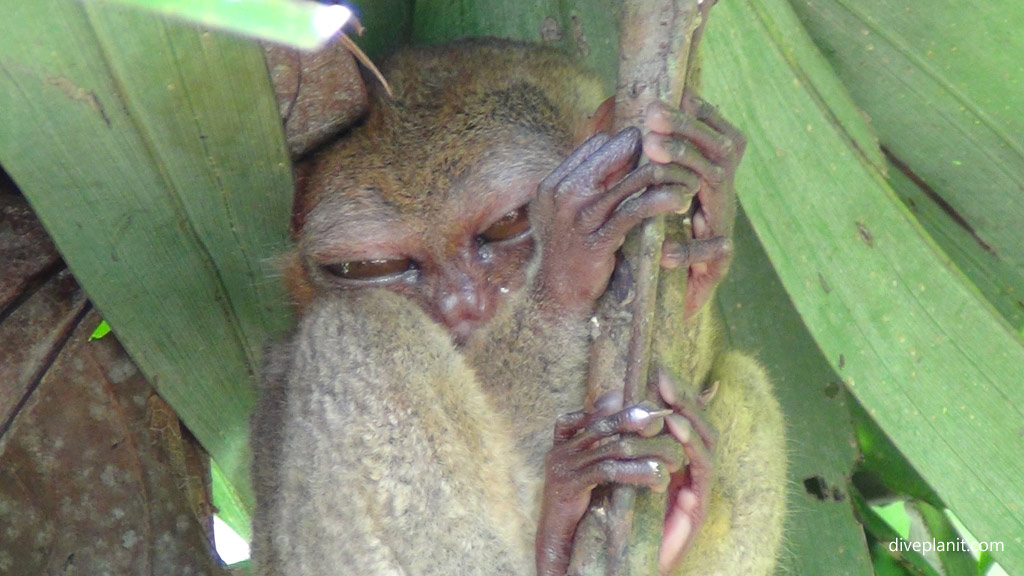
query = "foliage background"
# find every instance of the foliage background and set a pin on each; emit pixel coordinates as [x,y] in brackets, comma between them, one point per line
[880,260]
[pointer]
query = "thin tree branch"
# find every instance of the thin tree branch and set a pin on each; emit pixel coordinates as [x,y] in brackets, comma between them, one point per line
[656,46]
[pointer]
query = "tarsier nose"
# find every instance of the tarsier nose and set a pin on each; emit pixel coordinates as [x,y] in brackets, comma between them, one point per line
[463,306]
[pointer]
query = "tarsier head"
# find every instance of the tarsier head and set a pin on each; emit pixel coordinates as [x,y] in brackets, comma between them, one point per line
[429,197]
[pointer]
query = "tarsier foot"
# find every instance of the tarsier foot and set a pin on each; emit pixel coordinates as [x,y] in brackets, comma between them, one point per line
[689,489]
[613,446]
[699,139]
[586,455]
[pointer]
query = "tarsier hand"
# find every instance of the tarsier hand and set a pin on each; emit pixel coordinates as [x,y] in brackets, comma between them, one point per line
[584,209]
[582,213]
[628,446]
[698,138]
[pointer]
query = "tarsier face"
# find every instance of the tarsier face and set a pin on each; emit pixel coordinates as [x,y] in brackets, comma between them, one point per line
[457,251]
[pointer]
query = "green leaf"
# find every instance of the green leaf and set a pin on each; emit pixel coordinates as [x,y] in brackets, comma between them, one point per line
[436,21]
[585,29]
[298,23]
[955,562]
[241,569]
[388,25]
[984,267]
[908,334]
[985,562]
[102,329]
[943,84]
[883,469]
[228,504]
[821,530]
[886,543]
[153,154]
[885,565]
[895,515]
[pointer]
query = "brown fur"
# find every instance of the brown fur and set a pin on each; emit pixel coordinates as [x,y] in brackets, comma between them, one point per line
[380,447]
[440,120]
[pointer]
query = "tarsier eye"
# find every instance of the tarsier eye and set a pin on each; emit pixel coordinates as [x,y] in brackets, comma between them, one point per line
[511,225]
[369,269]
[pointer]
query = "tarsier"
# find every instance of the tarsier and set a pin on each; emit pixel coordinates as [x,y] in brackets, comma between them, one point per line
[452,250]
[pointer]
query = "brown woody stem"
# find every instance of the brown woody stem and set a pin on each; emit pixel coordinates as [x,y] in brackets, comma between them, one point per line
[656,45]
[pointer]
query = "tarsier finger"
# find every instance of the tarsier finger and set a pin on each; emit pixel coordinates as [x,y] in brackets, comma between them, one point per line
[689,491]
[662,449]
[593,144]
[684,181]
[714,143]
[686,407]
[709,115]
[665,149]
[617,155]
[675,254]
[567,425]
[655,201]
[647,473]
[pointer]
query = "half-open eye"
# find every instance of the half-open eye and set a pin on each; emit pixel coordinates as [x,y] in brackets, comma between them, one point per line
[511,225]
[369,269]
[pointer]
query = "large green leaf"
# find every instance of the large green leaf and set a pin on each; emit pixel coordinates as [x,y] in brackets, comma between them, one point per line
[821,530]
[904,329]
[586,29]
[388,25]
[153,154]
[943,84]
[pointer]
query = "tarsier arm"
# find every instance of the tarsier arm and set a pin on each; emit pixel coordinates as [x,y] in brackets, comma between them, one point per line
[698,140]
[580,216]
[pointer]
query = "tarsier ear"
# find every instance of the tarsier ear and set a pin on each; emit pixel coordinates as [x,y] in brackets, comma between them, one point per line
[599,121]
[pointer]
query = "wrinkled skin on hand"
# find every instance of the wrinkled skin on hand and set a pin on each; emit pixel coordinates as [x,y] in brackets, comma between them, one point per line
[699,138]
[584,209]
[582,213]
[663,450]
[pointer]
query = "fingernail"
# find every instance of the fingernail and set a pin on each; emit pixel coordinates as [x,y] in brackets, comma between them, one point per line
[639,414]
[705,397]
[666,388]
[679,427]
[608,402]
